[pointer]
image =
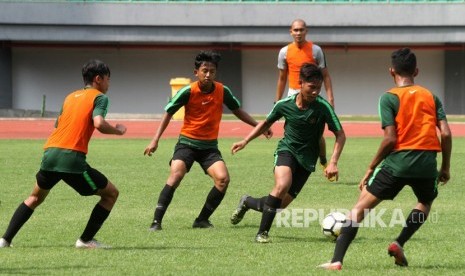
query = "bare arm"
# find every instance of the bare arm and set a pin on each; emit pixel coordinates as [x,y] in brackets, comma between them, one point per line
[386,147]
[257,131]
[331,171]
[106,128]
[282,79]
[246,118]
[153,145]
[328,86]
[446,147]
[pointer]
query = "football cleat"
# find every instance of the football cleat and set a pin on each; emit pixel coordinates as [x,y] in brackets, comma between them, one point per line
[331,266]
[263,237]
[91,244]
[240,211]
[202,224]
[156,226]
[396,251]
[4,243]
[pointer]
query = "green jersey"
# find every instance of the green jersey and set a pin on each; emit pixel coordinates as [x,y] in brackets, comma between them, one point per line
[408,163]
[303,128]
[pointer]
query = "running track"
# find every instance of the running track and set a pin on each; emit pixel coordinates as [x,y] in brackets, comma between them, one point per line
[33,128]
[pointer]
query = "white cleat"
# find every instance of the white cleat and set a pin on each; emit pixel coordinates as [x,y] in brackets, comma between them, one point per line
[4,243]
[91,244]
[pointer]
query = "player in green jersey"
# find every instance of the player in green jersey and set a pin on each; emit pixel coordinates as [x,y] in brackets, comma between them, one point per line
[306,115]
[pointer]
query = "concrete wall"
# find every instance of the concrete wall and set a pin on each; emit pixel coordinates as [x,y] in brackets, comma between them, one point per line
[140,78]
[229,22]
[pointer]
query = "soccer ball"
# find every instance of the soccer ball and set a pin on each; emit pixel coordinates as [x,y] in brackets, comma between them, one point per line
[332,224]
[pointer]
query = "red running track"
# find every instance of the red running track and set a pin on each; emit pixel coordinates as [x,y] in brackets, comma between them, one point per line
[40,129]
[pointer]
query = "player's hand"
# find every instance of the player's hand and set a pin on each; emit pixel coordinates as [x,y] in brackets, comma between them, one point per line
[443,177]
[331,172]
[365,179]
[151,148]
[268,134]
[238,146]
[121,128]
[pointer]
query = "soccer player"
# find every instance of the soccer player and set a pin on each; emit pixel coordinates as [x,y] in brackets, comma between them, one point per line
[410,116]
[306,115]
[65,156]
[203,101]
[290,59]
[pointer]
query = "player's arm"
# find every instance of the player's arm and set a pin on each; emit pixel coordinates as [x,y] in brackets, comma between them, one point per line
[246,118]
[106,128]
[446,141]
[281,85]
[446,148]
[386,147]
[328,86]
[180,99]
[153,145]
[98,115]
[262,127]
[331,171]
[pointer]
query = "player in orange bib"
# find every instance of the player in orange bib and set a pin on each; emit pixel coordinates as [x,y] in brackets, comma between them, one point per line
[65,156]
[203,101]
[411,117]
[290,59]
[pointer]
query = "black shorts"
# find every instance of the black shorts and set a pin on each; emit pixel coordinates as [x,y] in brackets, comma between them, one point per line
[86,183]
[384,185]
[205,157]
[299,174]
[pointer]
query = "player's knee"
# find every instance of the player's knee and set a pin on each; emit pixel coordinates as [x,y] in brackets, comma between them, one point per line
[176,177]
[111,194]
[33,201]
[222,183]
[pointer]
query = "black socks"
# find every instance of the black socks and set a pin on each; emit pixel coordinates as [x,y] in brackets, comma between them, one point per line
[414,221]
[96,220]
[348,233]
[269,212]
[256,203]
[214,199]
[21,215]
[164,200]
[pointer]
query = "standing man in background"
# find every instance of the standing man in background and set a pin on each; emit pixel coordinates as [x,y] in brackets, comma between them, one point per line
[290,59]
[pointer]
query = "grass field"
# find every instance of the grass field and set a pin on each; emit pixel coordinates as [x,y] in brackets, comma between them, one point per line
[45,245]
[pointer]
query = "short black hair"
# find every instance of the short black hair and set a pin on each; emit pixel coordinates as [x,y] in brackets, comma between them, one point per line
[93,68]
[207,56]
[404,62]
[309,72]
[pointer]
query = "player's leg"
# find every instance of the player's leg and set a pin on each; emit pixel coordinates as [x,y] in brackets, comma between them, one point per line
[22,214]
[24,211]
[366,201]
[425,191]
[180,164]
[283,180]
[92,182]
[214,166]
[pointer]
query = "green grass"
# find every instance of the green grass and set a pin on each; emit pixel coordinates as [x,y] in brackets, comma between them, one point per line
[351,118]
[45,244]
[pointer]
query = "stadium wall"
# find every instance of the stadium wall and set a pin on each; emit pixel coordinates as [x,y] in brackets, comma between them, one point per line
[148,44]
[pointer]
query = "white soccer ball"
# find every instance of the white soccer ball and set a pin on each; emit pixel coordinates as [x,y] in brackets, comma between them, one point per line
[332,224]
